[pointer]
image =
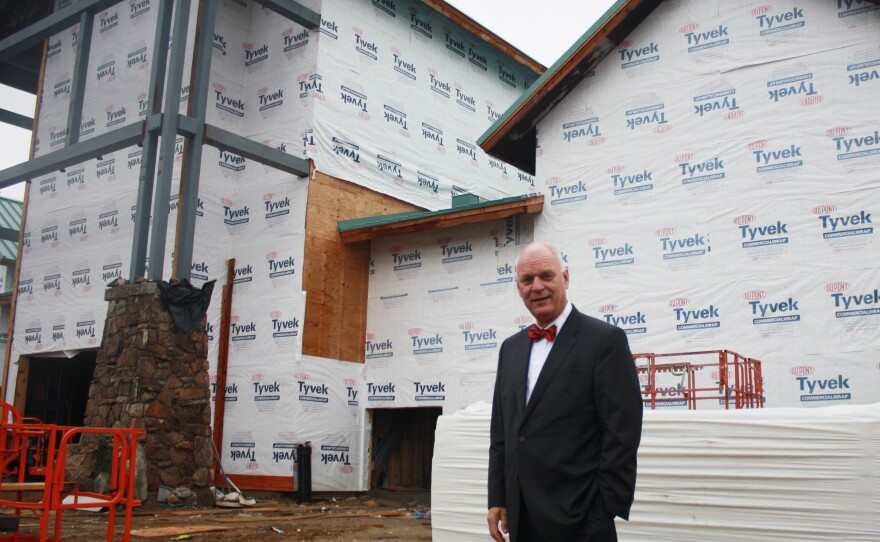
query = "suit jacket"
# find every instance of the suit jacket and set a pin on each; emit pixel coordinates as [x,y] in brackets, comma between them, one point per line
[576,440]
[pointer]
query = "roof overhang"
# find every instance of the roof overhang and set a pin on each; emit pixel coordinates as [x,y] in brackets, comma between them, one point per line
[365,229]
[512,137]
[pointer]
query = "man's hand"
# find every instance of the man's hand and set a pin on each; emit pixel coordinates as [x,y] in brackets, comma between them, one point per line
[497,515]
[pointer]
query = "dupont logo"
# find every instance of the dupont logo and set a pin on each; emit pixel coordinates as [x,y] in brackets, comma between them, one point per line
[824,209]
[838,131]
[522,321]
[683,157]
[836,287]
[757,145]
[802,370]
[754,295]
[678,302]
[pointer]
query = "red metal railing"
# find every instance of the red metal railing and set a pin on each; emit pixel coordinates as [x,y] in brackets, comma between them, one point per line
[36,450]
[719,376]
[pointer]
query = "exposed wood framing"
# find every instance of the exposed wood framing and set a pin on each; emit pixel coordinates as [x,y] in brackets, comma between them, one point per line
[335,275]
[14,300]
[534,204]
[263,483]
[222,363]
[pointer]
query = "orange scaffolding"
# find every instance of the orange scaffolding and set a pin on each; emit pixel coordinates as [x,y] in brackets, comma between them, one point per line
[737,379]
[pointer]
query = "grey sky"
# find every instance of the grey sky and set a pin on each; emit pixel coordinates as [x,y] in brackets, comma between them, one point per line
[543,30]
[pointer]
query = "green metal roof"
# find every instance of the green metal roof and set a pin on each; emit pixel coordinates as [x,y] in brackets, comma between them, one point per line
[10,217]
[385,220]
[464,212]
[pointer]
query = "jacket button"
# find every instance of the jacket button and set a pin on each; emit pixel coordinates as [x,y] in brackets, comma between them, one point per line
[522,439]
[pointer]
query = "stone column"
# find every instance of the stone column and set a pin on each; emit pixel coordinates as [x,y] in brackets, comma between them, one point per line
[150,376]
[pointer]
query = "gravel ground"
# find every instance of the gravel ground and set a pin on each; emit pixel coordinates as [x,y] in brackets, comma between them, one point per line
[385,516]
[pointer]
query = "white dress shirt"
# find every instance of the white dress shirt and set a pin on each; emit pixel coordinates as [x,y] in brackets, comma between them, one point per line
[540,351]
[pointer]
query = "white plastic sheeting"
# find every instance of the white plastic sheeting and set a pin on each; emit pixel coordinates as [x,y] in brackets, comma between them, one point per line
[775,474]
[80,222]
[711,184]
[426,89]
[401,95]
[440,304]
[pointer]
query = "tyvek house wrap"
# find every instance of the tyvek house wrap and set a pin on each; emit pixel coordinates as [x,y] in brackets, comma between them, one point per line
[282,85]
[711,185]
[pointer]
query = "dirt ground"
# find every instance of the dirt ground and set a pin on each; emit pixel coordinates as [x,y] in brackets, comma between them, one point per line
[384,515]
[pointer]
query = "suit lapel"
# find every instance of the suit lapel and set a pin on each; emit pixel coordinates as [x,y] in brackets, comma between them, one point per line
[522,349]
[559,354]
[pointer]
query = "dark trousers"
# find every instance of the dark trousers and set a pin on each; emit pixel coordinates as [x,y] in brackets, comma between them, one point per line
[598,527]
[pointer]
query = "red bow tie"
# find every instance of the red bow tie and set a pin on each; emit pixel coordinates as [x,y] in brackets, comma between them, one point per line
[536,333]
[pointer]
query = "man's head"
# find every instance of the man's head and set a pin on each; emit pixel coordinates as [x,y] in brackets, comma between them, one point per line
[542,280]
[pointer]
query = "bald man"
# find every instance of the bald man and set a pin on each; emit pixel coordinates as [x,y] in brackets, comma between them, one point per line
[566,417]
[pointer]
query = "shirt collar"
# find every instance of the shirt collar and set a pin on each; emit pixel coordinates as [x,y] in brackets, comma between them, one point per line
[561,318]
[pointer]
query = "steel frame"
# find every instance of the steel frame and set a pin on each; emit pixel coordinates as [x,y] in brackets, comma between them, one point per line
[163,120]
[746,390]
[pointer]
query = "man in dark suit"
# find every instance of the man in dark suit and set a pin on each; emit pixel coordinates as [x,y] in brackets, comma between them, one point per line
[566,418]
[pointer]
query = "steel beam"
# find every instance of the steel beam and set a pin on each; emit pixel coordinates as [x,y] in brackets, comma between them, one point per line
[187,126]
[9,234]
[256,151]
[294,11]
[35,34]
[15,119]
[78,81]
[151,141]
[192,157]
[75,154]
[169,136]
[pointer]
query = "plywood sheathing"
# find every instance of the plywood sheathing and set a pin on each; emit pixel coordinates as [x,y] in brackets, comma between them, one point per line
[336,275]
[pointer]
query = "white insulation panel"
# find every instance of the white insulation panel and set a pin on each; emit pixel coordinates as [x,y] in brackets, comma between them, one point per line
[774,474]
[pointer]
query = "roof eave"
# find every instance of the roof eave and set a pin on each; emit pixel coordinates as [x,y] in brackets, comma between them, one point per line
[365,229]
[512,137]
